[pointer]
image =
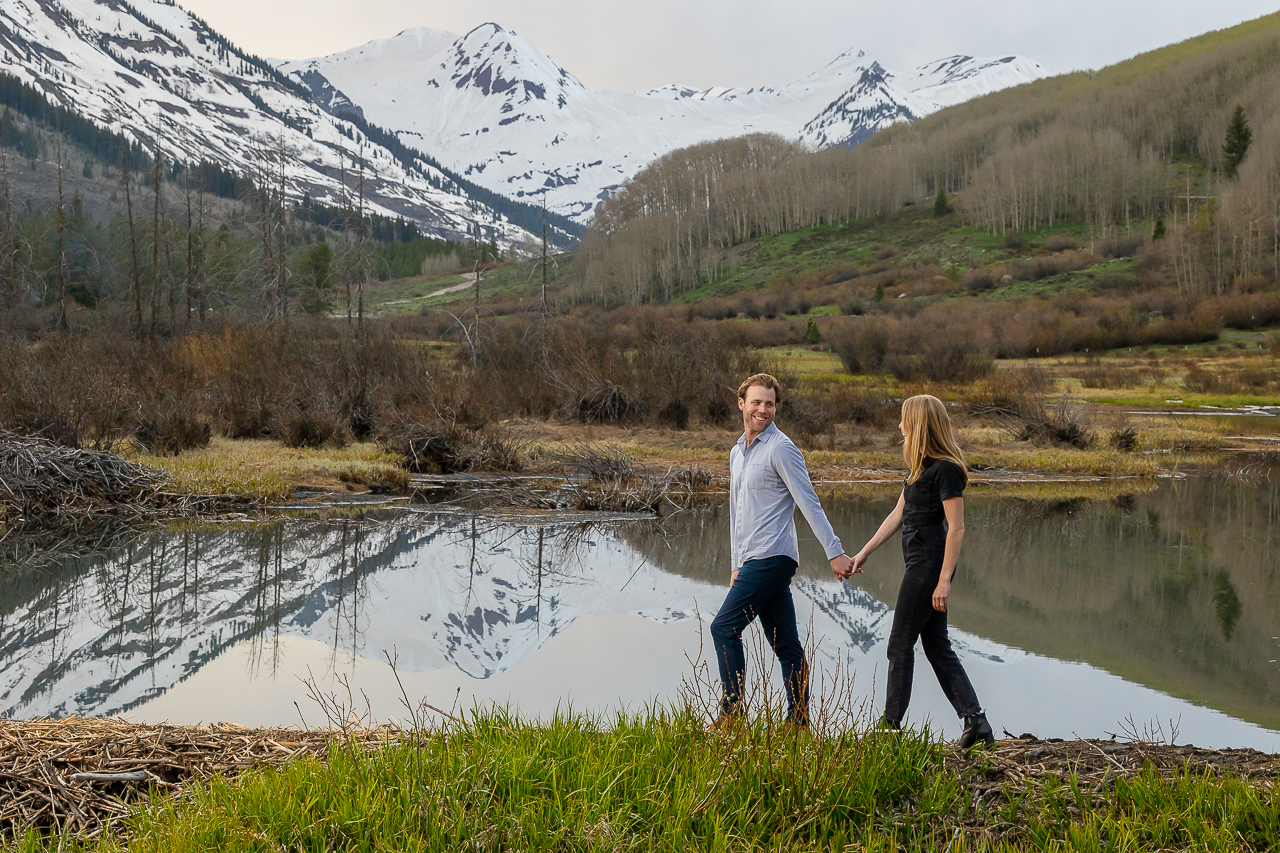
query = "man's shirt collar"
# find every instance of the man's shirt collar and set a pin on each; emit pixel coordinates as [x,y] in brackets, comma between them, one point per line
[769,432]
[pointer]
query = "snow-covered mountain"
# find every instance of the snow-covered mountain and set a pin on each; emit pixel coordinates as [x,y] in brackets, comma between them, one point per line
[493,107]
[156,73]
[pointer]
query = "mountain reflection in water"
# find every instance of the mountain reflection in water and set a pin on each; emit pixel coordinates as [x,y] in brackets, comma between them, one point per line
[1072,614]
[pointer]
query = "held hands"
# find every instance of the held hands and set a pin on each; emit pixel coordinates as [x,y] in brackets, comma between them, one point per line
[845,566]
[940,595]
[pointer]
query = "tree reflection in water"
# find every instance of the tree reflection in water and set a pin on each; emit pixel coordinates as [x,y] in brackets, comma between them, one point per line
[1174,588]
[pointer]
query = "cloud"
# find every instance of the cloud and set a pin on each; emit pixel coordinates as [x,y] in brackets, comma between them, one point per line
[634,46]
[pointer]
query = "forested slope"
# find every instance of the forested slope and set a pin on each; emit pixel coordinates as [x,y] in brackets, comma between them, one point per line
[1114,149]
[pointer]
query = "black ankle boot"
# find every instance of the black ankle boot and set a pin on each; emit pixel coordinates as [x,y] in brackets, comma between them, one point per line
[977,729]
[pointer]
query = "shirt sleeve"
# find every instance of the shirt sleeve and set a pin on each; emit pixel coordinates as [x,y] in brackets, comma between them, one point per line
[950,481]
[733,512]
[789,463]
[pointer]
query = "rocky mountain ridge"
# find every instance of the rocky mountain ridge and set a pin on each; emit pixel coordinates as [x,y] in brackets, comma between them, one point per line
[493,107]
[162,77]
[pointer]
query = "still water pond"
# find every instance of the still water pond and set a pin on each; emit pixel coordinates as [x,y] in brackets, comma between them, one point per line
[1073,615]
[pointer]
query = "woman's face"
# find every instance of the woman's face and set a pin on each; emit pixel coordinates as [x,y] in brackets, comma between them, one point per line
[902,428]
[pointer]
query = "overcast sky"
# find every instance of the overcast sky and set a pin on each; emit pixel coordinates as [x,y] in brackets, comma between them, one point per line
[632,45]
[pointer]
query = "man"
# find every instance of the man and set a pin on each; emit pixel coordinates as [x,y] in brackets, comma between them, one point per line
[767,481]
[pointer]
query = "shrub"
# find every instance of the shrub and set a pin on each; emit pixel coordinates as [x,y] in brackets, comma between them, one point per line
[1014,240]
[1123,438]
[302,425]
[1034,269]
[1065,423]
[815,408]
[1200,380]
[1007,393]
[1060,242]
[1119,246]
[675,414]
[173,432]
[607,403]
[979,280]
[453,449]
[65,390]
[860,344]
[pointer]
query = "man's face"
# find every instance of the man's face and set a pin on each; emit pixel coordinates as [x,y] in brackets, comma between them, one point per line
[758,408]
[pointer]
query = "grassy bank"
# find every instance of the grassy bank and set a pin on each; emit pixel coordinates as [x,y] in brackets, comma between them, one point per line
[270,471]
[657,782]
[267,470]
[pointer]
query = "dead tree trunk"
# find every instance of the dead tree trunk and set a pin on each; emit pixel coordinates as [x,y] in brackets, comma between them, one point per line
[62,240]
[282,268]
[133,240]
[155,243]
[360,259]
[8,260]
[199,278]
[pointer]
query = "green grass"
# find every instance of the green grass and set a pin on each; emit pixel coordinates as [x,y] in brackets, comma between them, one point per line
[909,238]
[406,295]
[502,282]
[657,782]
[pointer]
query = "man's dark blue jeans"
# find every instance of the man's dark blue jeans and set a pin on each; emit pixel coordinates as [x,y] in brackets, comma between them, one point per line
[763,589]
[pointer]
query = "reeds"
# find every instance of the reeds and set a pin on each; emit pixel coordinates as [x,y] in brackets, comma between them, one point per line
[653,781]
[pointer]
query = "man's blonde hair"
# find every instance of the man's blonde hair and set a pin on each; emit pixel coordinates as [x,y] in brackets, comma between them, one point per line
[929,433]
[762,380]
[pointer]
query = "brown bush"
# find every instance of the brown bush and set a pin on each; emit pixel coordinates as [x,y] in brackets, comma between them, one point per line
[1034,269]
[1119,246]
[1123,438]
[1060,242]
[66,390]
[451,449]
[300,425]
[815,408]
[979,280]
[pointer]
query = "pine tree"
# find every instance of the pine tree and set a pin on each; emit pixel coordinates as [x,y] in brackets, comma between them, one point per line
[1160,229]
[941,205]
[812,335]
[879,294]
[1239,138]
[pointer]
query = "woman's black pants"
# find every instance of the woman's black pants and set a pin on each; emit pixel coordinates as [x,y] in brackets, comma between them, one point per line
[914,617]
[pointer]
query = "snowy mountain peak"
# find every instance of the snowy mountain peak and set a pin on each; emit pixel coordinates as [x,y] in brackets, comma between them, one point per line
[497,61]
[160,76]
[498,110]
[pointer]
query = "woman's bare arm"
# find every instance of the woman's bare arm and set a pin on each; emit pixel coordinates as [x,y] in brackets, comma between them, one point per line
[954,508]
[891,525]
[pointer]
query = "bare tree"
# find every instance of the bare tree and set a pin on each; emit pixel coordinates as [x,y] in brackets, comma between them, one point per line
[543,300]
[135,276]
[156,179]
[62,232]
[361,262]
[281,229]
[344,203]
[8,247]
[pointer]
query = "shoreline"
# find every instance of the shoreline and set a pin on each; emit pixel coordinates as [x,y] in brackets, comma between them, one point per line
[104,782]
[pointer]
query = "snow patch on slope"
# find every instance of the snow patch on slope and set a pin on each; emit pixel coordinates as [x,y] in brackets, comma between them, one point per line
[495,108]
[161,76]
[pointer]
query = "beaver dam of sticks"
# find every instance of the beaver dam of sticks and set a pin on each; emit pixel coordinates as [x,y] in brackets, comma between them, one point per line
[81,776]
[40,480]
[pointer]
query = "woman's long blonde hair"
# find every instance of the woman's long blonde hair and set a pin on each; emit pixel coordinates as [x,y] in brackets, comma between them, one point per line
[929,433]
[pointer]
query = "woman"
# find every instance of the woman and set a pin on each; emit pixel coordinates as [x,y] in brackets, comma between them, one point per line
[930,512]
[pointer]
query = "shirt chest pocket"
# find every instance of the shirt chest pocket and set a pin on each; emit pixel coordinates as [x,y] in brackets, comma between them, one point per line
[757,473]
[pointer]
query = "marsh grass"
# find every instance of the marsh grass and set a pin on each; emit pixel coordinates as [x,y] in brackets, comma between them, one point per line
[267,470]
[657,781]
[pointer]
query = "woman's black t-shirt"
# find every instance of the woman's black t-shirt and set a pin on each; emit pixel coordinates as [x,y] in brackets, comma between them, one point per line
[940,480]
